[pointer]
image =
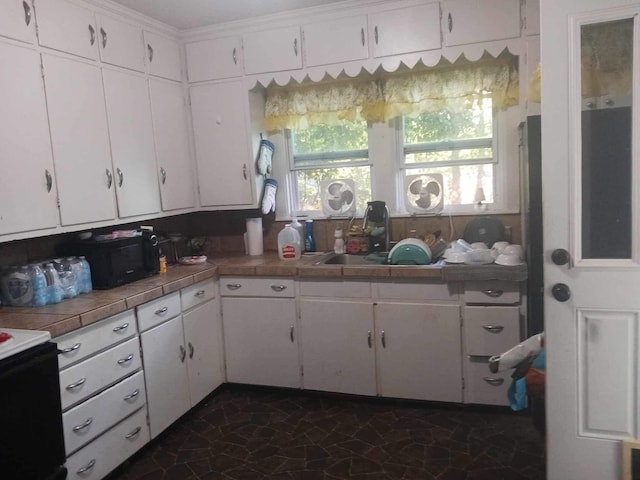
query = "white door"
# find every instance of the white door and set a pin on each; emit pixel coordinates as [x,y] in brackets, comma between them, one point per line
[591,198]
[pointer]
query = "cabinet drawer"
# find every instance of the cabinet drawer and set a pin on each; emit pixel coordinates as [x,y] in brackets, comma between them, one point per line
[427,290]
[483,387]
[335,288]
[257,287]
[491,330]
[157,311]
[492,292]
[81,343]
[198,293]
[104,454]
[80,381]
[88,420]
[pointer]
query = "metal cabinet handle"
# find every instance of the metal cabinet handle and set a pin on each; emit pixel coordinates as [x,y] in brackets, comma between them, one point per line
[183,354]
[27,13]
[124,326]
[49,179]
[77,384]
[92,34]
[295,46]
[493,328]
[161,311]
[244,171]
[233,286]
[200,293]
[375,34]
[84,425]
[234,56]
[494,381]
[278,288]
[87,467]
[104,37]
[133,433]
[109,179]
[120,177]
[132,395]
[383,339]
[150,52]
[126,359]
[450,22]
[493,293]
[71,349]
[163,172]
[362,36]
[291,333]
[369,338]
[191,350]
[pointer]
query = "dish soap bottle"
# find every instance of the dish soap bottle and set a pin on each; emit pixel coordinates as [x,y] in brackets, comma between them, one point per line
[288,243]
[338,244]
[309,241]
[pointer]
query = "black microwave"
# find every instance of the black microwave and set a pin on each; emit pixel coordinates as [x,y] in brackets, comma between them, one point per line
[119,261]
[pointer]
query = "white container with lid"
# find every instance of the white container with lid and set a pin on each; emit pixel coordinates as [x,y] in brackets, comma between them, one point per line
[288,243]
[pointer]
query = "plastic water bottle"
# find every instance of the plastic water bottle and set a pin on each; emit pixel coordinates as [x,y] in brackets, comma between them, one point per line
[299,228]
[309,241]
[39,285]
[54,289]
[67,277]
[86,283]
[288,243]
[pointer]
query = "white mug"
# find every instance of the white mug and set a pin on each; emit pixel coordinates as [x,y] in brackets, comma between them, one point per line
[514,250]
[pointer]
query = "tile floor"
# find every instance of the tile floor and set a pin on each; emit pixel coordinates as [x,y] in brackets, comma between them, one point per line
[248,433]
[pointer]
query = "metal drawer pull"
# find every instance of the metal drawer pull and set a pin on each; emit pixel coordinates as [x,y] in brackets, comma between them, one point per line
[291,333]
[161,311]
[133,433]
[200,293]
[87,467]
[183,354]
[132,395]
[49,179]
[150,50]
[191,350]
[163,172]
[120,177]
[450,22]
[295,46]
[235,58]
[78,384]
[362,36]
[124,326]
[71,349]
[233,286]
[493,328]
[244,171]
[493,293]
[109,179]
[92,34]
[383,339]
[128,358]
[84,425]
[369,338]
[375,34]
[104,37]
[278,288]
[494,381]
[27,13]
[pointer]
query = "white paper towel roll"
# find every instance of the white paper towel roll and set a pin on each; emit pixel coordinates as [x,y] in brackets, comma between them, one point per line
[254,236]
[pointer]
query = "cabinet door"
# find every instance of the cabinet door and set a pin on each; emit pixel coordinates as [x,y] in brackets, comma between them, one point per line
[338,346]
[172,145]
[470,21]
[419,351]
[336,40]
[405,30]
[221,143]
[163,56]
[204,350]
[27,187]
[120,43]
[272,50]
[165,371]
[65,26]
[80,139]
[17,20]
[214,59]
[132,148]
[260,340]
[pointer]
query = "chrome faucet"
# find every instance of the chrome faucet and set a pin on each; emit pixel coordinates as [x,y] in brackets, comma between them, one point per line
[377,213]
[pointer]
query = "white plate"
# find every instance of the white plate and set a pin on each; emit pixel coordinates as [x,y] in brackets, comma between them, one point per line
[194,260]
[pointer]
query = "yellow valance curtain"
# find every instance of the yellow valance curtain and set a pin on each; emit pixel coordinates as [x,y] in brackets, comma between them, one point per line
[383,97]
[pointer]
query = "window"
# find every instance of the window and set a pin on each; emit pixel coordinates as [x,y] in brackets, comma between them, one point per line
[323,152]
[458,143]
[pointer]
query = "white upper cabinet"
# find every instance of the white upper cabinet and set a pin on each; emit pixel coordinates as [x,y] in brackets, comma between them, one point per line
[120,43]
[17,20]
[67,27]
[174,163]
[132,148]
[405,30]
[472,21]
[214,59]
[336,40]
[163,56]
[532,17]
[80,139]
[272,50]
[27,186]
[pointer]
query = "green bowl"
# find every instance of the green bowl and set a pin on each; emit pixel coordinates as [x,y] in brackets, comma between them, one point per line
[409,254]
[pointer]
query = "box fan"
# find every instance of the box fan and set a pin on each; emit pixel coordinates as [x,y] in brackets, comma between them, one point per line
[423,193]
[338,197]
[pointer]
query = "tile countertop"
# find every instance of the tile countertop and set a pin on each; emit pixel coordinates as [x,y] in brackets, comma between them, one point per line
[99,304]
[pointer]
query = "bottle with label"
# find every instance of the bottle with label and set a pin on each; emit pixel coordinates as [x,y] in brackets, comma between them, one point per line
[300,229]
[54,289]
[39,284]
[338,244]
[309,241]
[86,283]
[288,243]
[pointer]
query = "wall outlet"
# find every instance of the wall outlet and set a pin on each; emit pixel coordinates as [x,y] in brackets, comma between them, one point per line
[631,460]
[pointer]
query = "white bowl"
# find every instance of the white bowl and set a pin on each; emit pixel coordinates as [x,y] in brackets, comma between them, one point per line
[480,246]
[456,257]
[500,245]
[479,257]
[508,259]
[516,250]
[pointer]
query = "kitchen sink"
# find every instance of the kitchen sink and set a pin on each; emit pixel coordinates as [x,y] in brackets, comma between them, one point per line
[372,259]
